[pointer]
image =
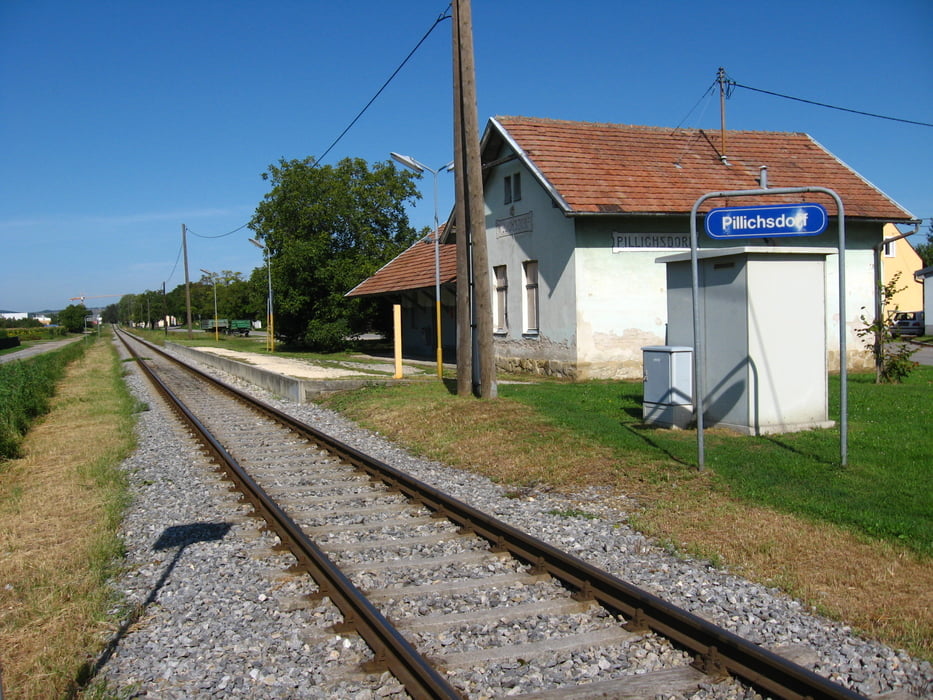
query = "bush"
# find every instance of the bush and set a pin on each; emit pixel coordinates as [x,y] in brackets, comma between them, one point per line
[327,336]
[26,387]
[892,360]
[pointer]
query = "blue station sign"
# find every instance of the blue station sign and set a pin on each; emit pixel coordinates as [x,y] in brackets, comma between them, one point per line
[806,219]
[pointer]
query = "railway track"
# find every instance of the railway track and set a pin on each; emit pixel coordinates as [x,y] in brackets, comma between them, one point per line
[437,588]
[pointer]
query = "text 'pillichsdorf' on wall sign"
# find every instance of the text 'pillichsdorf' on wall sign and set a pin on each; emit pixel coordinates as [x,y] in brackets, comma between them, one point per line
[648,241]
[806,219]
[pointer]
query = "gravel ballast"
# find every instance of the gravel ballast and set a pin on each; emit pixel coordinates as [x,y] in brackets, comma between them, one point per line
[215,614]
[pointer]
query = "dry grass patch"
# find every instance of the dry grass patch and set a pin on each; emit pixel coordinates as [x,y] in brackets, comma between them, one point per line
[484,437]
[59,506]
[879,588]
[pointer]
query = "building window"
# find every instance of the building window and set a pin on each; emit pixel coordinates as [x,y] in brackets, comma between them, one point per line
[890,249]
[500,315]
[513,188]
[530,269]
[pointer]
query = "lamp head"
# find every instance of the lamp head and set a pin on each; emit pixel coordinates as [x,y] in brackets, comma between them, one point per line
[408,162]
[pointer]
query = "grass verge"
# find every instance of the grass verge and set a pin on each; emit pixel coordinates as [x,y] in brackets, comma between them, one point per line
[60,505]
[853,543]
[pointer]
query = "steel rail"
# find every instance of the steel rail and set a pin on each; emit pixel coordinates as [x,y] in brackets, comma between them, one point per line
[716,651]
[389,647]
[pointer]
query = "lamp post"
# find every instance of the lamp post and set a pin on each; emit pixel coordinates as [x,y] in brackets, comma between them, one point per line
[419,168]
[214,283]
[270,338]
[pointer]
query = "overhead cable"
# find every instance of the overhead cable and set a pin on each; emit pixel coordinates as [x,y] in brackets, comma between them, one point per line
[444,15]
[732,83]
[175,266]
[222,235]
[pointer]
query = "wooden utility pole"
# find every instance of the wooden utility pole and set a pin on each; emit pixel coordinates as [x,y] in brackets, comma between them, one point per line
[184,247]
[474,311]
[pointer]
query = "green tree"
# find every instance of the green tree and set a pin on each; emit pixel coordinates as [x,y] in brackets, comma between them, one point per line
[327,228]
[72,318]
[925,249]
[111,314]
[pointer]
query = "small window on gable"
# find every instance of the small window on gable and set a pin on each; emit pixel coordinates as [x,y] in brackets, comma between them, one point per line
[890,249]
[512,188]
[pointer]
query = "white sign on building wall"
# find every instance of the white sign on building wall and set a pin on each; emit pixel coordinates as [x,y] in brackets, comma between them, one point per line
[622,242]
[521,223]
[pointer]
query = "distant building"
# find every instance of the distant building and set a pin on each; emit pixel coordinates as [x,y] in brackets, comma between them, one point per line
[900,257]
[925,277]
[13,315]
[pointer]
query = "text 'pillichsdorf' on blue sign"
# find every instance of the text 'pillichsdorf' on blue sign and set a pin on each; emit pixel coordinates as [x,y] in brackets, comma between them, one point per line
[767,221]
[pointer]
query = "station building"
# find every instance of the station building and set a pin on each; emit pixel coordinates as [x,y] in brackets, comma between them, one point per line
[579,214]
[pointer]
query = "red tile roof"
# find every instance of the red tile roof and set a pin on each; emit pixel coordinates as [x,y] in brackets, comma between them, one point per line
[412,269]
[622,169]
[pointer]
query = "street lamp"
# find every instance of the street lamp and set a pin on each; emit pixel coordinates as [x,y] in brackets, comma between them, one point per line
[216,323]
[270,338]
[419,168]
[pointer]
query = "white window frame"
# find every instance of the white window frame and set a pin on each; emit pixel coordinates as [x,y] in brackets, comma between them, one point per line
[500,314]
[512,188]
[530,303]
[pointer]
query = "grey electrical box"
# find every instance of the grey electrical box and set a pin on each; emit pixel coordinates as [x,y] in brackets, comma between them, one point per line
[668,387]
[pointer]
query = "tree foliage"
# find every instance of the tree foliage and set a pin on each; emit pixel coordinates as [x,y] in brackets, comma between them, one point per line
[72,318]
[925,249]
[235,300]
[326,229]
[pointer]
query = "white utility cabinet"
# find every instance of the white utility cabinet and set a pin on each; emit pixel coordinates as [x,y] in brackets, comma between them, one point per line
[668,386]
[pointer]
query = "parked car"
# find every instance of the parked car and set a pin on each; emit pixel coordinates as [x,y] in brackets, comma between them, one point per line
[907,323]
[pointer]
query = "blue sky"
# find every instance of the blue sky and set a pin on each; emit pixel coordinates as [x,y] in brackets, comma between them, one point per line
[121,120]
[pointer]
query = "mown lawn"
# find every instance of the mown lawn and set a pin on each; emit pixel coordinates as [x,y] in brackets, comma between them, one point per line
[885,491]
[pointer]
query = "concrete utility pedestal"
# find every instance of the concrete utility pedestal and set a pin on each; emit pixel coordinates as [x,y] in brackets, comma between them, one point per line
[763,330]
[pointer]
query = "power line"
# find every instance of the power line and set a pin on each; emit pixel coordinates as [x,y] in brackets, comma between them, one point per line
[175,266]
[706,94]
[440,18]
[222,235]
[733,83]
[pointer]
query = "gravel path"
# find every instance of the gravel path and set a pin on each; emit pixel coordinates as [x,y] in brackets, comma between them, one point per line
[216,616]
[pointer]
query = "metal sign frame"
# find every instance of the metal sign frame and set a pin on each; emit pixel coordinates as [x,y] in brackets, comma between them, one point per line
[698,384]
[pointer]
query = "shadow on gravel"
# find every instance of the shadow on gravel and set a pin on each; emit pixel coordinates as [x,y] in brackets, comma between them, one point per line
[179,536]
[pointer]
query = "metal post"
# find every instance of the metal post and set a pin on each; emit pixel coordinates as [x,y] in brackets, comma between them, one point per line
[184,247]
[698,379]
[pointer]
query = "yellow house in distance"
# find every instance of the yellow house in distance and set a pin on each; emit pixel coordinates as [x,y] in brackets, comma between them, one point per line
[900,256]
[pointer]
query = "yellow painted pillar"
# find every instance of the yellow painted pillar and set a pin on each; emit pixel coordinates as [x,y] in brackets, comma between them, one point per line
[397,318]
